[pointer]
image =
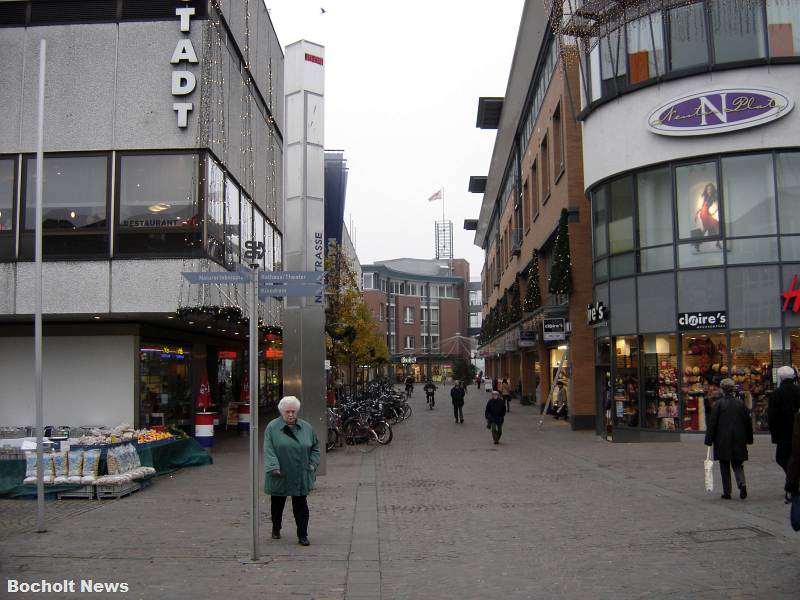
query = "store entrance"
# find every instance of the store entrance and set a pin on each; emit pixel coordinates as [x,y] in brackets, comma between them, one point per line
[705,365]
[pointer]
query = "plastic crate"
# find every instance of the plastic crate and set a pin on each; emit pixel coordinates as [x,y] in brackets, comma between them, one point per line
[85,492]
[117,490]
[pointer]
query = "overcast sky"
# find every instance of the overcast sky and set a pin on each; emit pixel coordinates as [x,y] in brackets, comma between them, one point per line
[402,82]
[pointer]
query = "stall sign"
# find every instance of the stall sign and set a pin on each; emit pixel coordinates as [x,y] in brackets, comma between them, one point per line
[408,360]
[597,314]
[554,330]
[718,110]
[702,320]
[527,339]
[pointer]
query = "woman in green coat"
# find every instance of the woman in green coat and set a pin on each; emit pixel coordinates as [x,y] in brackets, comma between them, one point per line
[291,457]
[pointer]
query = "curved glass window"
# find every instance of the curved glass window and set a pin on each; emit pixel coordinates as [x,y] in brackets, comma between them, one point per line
[645,48]
[749,188]
[620,226]
[687,36]
[783,27]
[787,165]
[738,30]
[654,191]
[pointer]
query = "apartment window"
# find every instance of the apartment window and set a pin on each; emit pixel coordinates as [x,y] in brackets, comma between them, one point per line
[434,342]
[474,320]
[409,343]
[366,279]
[408,316]
[544,156]
[383,285]
[558,141]
[435,316]
[475,297]
[783,26]
[412,289]
[8,170]
[74,206]
[425,341]
[526,209]
[534,192]
[381,311]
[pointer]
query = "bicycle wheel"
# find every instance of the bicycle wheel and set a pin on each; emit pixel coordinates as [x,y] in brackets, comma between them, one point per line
[406,410]
[354,433]
[333,439]
[383,432]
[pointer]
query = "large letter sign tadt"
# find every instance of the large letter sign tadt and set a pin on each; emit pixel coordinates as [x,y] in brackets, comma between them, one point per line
[183,82]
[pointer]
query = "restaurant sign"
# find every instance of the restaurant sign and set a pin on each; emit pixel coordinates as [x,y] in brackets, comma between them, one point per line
[719,110]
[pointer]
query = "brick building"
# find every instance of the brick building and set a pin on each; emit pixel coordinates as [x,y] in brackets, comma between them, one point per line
[536,171]
[422,307]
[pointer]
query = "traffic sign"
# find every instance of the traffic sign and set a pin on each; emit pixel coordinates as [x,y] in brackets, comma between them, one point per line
[265,291]
[215,277]
[291,277]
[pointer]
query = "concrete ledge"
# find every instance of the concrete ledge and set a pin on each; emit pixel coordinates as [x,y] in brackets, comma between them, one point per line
[627,436]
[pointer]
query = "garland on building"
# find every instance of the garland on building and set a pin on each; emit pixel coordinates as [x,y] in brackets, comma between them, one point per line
[514,304]
[561,271]
[533,295]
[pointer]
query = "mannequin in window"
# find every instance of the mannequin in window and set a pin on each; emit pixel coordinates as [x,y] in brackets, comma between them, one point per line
[708,214]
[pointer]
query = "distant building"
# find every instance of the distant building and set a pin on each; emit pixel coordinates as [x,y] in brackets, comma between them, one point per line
[422,308]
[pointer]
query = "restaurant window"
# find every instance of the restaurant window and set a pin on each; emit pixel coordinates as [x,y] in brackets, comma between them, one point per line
[165,388]
[645,48]
[788,171]
[738,30]
[749,185]
[215,211]
[752,354]
[158,207]
[687,36]
[626,381]
[612,62]
[74,206]
[600,220]
[620,226]
[783,27]
[232,226]
[661,381]
[705,365]
[654,194]
[8,170]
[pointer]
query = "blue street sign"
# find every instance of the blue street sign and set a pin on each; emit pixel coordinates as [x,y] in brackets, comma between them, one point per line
[218,277]
[265,291]
[291,277]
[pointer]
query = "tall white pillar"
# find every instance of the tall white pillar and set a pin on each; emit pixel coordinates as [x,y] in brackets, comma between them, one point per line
[304,224]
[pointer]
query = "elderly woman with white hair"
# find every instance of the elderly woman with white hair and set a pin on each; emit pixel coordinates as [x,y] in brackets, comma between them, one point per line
[291,457]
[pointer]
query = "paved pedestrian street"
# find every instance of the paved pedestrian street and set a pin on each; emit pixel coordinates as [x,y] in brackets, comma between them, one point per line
[441,512]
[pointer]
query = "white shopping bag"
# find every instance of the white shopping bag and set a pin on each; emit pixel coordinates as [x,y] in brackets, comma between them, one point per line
[707,466]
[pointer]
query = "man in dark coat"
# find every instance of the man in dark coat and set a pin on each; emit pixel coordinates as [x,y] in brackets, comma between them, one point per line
[457,395]
[495,414]
[793,469]
[730,430]
[784,402]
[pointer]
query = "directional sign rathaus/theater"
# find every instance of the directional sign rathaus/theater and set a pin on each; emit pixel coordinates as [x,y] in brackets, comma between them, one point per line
[287,284]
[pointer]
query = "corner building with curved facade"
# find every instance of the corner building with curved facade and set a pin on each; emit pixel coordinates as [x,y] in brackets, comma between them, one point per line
[692,168]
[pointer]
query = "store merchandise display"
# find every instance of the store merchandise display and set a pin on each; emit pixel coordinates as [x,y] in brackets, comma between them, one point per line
[704,368]
[99,436]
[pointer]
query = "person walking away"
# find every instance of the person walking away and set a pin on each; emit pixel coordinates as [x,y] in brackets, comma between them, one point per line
[505,391]
[430,388]
[457,396]
[495,414]
[783,404]
[793,468]
[409,386]
[291,458]
[729,431]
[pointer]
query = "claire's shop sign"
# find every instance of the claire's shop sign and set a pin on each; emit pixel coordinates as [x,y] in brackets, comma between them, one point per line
[718,111]
[702,320]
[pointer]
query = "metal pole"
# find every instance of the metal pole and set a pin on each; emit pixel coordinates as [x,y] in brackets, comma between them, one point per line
[254,462]
[37,320]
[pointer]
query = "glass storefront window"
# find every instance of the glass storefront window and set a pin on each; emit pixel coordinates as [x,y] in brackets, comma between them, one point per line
[751,369]
[738,30]
[706,254]
[278,265]
[654,191]
[232,229]
[165,388]
[749,185]
[620,226]
[790,248]
[626,381]
[158,208]
[645,48]
[660,362]
[697,202]
[783,26]
[612,62]
[258,232]
[656,259]
[215,211]
[7,196]
[246,227]
[788,171]
[600,218]
[705,364]
[752,250]
[687,36]
[623,265]
[601,270]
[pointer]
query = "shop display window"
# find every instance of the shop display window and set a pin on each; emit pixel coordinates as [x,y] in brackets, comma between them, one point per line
[661,380]
[626,381]
[620,225]
[752,355]
[738,30]
[749,185]
[165,389]
[656,259]
[752,250]
[158,208]
[600,218]
[698,204]
[783,27]
[654,194]
[705,365]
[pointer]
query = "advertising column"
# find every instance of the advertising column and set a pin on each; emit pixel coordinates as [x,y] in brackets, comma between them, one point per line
[304,318]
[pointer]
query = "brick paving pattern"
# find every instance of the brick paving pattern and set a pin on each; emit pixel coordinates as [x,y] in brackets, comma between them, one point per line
[439,513]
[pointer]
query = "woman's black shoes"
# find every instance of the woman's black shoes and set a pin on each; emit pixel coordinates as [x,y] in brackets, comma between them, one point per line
[743,492]
[276,535]
[303,541]
[726,496]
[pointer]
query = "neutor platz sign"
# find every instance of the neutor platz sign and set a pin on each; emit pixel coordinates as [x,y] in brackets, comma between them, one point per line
[719,110]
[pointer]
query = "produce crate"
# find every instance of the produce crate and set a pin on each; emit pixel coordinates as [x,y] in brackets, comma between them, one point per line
[117,490]
[86,492]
